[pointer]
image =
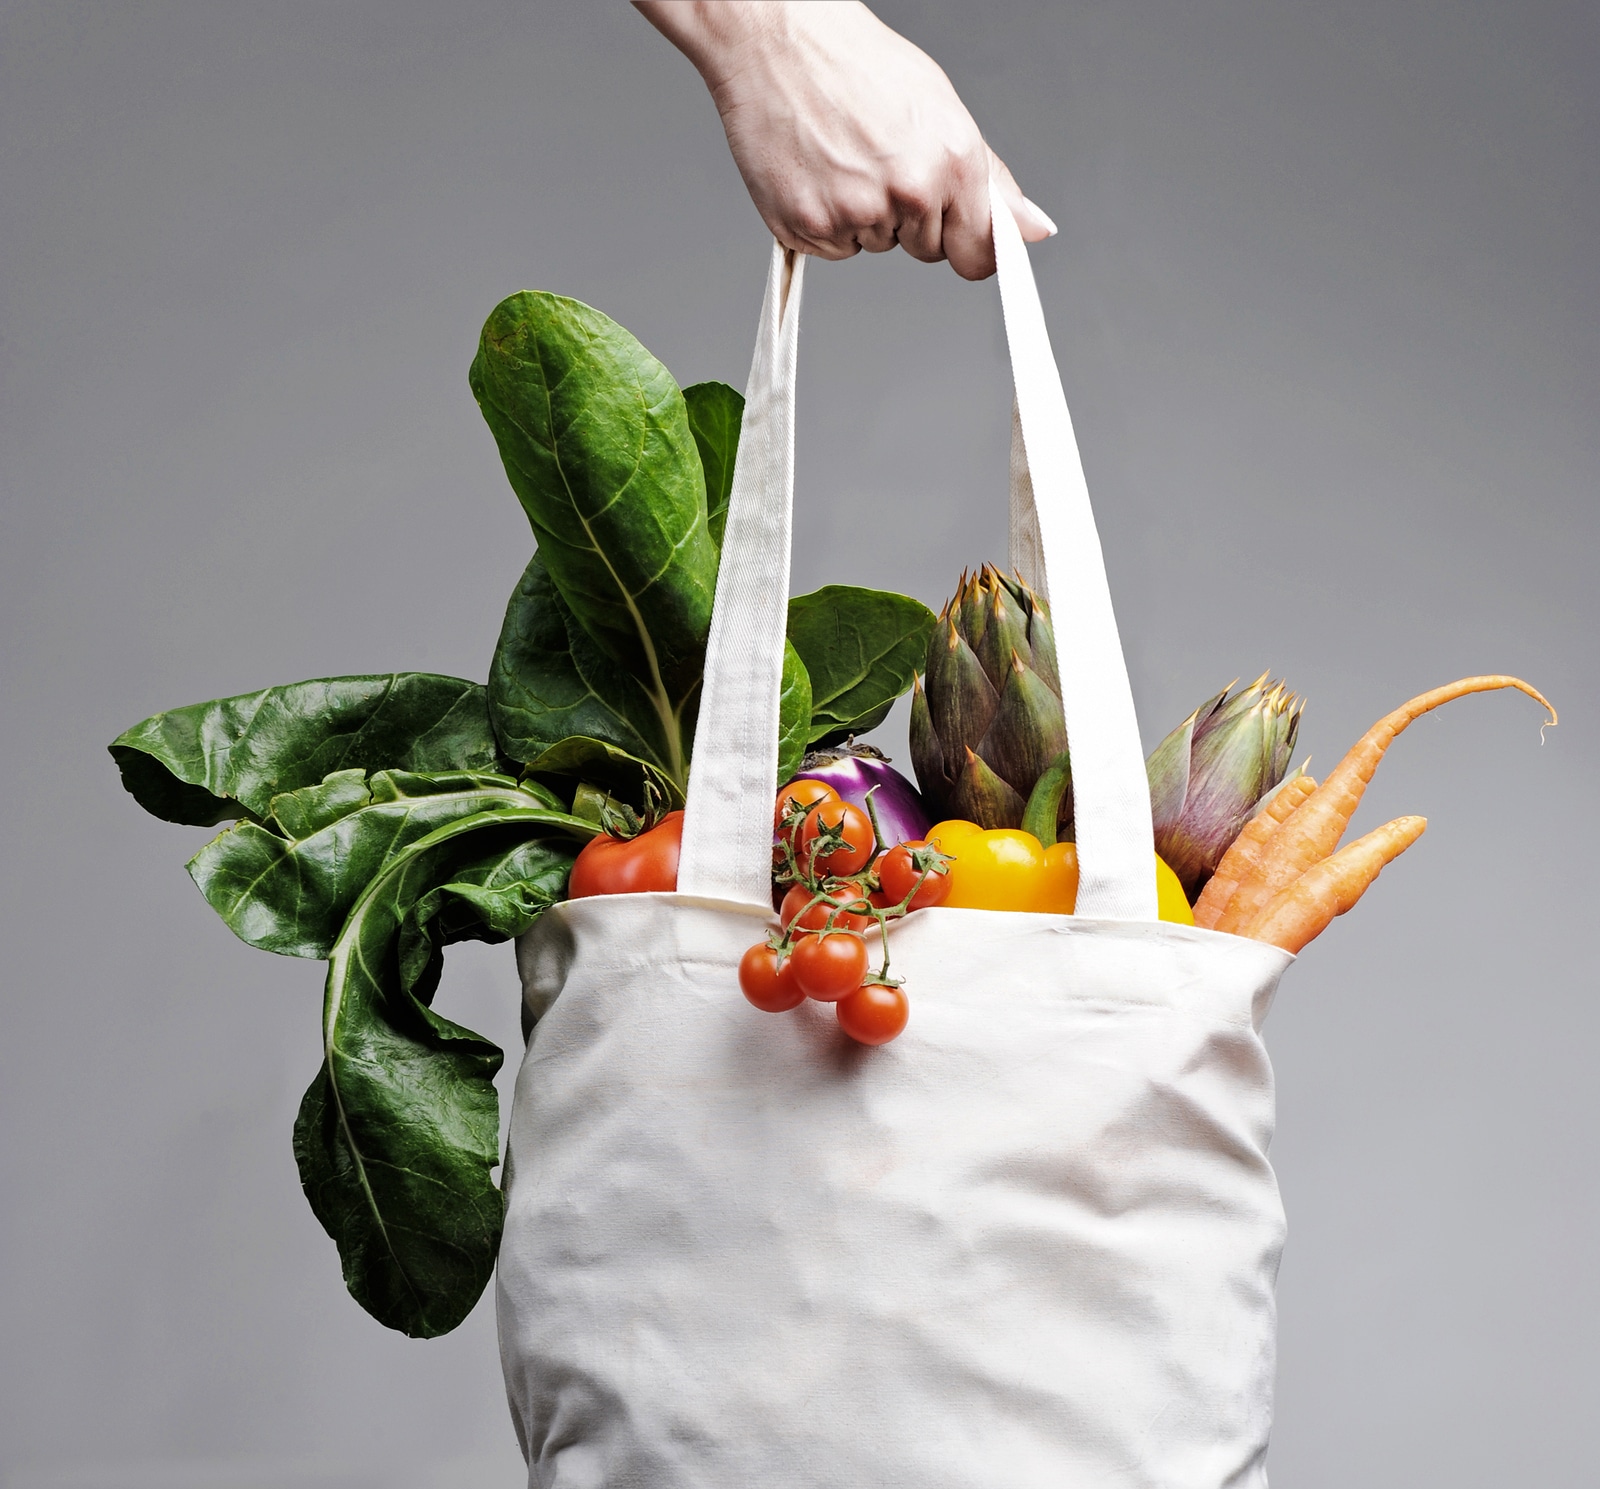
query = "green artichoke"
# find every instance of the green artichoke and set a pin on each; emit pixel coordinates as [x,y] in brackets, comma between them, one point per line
[986,718]
[1215,770]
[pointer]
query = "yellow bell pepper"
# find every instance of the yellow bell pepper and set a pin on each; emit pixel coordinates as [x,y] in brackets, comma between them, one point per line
[1004,868]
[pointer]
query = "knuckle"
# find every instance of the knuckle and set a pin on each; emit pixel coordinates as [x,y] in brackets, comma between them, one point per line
[919,198]
[969,162]
[814,225]
[877,237]
[860,212]
[832,248]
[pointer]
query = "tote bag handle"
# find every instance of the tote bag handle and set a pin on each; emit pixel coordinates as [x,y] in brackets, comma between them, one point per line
[727,835]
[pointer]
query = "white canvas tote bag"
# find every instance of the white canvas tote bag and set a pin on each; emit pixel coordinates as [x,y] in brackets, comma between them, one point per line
[1030,1245]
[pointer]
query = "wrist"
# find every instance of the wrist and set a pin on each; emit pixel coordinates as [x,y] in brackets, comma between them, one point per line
[723,37]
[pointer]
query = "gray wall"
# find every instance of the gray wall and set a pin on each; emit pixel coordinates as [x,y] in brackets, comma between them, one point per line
[1325,301]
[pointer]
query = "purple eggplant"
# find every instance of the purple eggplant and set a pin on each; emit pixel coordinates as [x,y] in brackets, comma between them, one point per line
[853,770]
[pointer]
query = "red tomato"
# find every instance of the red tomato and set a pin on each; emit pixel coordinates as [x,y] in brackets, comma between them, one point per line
[898,874]
[766,983]
[873,1014]
[829,967]
[813,919]
[848,857]
[808,793]
[609,865]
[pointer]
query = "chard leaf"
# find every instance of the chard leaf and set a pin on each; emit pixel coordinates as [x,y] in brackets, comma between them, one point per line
[549,681]
[564,708]
[212,762]
[862,647]
[598,760]
[398,785]
[496,897]
[593,760]
[397,1137]
[595,438]
[715,413]
[298,814]
[794,713]
[292,895]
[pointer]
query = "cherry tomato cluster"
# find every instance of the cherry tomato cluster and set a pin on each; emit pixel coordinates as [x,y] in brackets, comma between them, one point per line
[844,884]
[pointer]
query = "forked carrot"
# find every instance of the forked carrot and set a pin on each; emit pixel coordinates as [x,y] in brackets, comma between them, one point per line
[1303,911]
[1245,851]
[1312,831]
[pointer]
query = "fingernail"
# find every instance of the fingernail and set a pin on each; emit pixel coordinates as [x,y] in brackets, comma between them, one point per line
[1041,216]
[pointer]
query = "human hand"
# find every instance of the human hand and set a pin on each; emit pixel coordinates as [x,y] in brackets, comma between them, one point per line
[847,136]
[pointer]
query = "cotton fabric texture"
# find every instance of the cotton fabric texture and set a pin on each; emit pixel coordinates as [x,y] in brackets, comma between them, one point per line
[1031,1243]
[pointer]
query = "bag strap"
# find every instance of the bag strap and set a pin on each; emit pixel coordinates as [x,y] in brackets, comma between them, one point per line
[727,825]
[1110,790]
[727,837]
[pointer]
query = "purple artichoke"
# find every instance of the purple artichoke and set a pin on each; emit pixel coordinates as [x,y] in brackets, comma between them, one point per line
[1211,774]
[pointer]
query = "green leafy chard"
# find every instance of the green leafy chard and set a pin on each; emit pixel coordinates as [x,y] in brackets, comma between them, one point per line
[595,439]
[291,894]
[305,812]
[397,1137]
[716,413]
[213,762]
[594,762]
[795,712]
[861,648]
[549,681]
[550,687]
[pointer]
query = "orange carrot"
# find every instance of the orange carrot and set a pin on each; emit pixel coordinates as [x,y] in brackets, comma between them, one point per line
[1245,851]
[1314,828]
[1303,911]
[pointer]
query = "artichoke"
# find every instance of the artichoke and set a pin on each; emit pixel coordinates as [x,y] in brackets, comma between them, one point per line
[1215,770]
[986,718]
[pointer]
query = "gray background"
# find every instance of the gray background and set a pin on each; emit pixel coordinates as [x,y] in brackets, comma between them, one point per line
[1326,306]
